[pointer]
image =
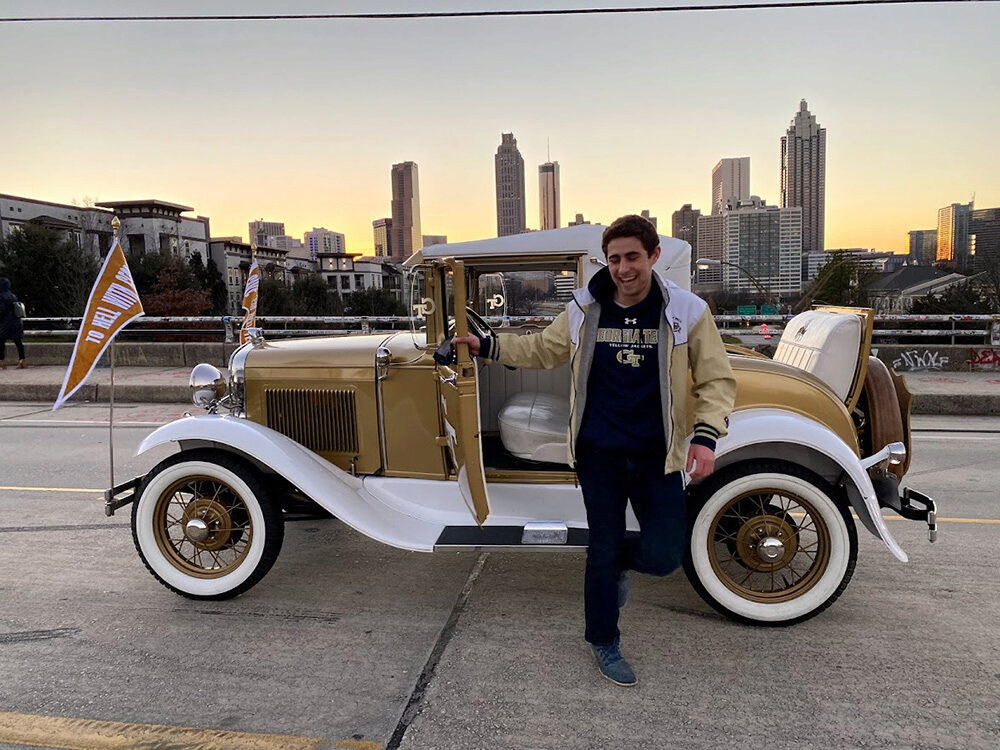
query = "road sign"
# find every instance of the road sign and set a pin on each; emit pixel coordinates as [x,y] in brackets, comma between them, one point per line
[768,309]
[746,309]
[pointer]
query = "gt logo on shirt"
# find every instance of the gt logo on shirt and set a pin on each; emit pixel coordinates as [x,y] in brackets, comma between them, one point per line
[629,357]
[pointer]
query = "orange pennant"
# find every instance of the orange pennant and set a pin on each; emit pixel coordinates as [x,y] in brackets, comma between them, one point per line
[250,302]
[113,303]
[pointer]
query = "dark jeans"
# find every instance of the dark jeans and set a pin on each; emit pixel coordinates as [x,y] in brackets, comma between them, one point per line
[609,481]
[17,342]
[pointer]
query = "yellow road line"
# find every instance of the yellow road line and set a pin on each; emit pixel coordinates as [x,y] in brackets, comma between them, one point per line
[92,734]
[51,489]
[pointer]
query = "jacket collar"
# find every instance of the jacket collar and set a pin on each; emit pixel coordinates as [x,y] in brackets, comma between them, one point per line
[585,295]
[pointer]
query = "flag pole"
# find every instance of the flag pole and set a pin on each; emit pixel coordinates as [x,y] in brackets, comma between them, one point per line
[115,226]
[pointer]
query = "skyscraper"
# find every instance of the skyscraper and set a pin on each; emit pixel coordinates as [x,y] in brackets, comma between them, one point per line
[766,241]
[922,246]
[548,195]
[710,230]
[803,176]
[730,179]
[509,167]
[260,230]
[406,237]
[953,235]
[684,226]
[382,236]
[984,237]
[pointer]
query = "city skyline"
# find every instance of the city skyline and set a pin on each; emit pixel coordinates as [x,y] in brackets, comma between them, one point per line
[116,112]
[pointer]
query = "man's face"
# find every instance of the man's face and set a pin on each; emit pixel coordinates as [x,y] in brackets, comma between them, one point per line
[631,267]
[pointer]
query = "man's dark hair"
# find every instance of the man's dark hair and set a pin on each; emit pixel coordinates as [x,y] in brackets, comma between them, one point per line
[632,226]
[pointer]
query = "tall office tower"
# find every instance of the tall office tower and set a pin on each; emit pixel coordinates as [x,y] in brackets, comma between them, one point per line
[260,230]
[321,240]
[708,233]
[953,235]
[406,237]
[984,237]
[509,167]
[548,195]
[803,176]
[382,231]
[684,226]
[922,247]
[651,219]
[766,241]
[730,179]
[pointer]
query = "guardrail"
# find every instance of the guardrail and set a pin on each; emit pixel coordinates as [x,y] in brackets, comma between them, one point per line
[888,328]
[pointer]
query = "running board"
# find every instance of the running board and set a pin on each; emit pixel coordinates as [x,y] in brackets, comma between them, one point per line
[533,534]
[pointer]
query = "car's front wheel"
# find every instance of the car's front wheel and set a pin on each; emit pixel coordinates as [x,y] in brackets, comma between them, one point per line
[770,544]
[205,526]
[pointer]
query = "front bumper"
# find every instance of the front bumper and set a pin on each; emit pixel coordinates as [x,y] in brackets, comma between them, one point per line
[912,505]
[121,495]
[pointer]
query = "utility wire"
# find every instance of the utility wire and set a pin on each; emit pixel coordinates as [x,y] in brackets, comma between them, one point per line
[490,13]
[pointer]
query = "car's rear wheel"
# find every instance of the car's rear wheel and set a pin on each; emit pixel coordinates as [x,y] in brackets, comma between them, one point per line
[205,526]
[770,544]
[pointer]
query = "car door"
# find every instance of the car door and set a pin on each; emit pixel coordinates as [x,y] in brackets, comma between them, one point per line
[458,386]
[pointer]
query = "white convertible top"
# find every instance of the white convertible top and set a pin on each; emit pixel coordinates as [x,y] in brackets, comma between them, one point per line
[674,262]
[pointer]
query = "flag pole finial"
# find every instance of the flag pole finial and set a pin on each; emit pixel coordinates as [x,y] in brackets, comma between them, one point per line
[115,225]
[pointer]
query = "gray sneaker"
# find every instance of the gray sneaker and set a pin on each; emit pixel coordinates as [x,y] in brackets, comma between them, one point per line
[613,665]
[624,588]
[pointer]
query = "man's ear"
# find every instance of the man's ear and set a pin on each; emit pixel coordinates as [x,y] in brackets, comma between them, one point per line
[655,254]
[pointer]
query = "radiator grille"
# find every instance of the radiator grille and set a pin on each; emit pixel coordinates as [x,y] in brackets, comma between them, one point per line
[324,421]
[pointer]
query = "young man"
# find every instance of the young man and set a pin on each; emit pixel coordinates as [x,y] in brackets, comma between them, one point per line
[632,338]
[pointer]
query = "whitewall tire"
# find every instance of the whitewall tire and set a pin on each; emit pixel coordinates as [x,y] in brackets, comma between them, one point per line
[770,543]
[205,526]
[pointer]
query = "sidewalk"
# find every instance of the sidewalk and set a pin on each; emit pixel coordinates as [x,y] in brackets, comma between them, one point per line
[957,393]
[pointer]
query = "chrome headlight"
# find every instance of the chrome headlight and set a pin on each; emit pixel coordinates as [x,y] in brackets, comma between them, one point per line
[207,385]
[897,453]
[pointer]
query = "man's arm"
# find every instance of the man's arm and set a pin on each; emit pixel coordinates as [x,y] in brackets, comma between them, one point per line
[714,392]
[545,350]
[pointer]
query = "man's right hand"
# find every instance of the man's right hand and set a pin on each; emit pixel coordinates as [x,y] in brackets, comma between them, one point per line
[472,341]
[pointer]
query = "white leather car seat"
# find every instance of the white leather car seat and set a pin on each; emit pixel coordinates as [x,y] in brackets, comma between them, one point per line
[825,344]
[533,426]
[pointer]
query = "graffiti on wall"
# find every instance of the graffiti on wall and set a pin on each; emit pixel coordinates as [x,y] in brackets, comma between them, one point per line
[985,359]
[914,360]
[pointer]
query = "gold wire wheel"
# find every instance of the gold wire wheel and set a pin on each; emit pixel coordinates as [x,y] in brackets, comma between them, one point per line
[769,545]
[202,526]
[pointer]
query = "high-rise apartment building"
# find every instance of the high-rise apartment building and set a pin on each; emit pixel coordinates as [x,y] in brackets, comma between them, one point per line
[382,235]
[651,219]
[509,168]
[260,230]
[922,246]
[684,226]
[953,236]
[548,195]
[765,242]
[803,176]
[406,237]
[730,180]
[709,236]
[984,237]
[324,241]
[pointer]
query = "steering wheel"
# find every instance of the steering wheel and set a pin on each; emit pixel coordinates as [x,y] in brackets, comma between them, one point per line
[445,353]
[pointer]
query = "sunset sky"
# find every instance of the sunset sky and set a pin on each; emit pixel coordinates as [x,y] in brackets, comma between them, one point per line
[300,121]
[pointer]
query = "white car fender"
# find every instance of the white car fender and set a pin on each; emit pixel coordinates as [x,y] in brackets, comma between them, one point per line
[754,429]
[329,486]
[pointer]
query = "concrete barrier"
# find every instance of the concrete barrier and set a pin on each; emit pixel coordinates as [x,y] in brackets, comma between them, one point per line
[137,354]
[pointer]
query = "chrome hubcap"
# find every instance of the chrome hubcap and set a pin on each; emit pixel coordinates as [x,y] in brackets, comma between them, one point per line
[196,530]
[771,549]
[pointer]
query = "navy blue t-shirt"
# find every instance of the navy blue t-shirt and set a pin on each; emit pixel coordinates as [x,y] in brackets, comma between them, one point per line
[623,411]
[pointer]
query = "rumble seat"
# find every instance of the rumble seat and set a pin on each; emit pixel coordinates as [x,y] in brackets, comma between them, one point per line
[533,426]
[825,344]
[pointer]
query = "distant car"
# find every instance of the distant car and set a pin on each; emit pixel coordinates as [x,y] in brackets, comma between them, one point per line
[422,454]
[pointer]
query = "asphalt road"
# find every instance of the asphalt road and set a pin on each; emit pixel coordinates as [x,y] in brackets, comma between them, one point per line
[347,643]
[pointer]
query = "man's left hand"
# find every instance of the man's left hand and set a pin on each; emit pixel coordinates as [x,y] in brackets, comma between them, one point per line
[700,462]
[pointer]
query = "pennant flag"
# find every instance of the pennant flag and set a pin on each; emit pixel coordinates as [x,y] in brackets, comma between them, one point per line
[250,303]
[113,303]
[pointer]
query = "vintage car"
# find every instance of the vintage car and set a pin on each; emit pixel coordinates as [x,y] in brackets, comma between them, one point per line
[425,449]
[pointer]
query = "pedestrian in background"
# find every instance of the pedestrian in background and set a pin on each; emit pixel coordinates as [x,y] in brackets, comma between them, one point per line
[11,313]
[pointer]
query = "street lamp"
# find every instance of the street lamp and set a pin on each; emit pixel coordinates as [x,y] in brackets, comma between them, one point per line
[703,264]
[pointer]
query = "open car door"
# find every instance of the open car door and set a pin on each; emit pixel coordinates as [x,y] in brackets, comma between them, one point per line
[458,385]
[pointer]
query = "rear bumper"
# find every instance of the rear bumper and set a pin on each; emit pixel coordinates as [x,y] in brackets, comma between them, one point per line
[910,504]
